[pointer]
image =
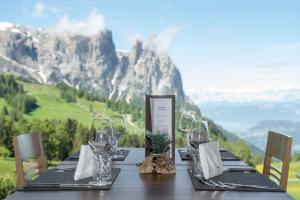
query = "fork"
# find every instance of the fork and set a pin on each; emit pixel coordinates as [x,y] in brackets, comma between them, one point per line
[205,182]
[65,169]
[214,184]
[235,185]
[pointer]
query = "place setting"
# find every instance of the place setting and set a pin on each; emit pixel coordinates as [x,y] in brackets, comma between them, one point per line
[197,132]
[118,130]
[225,155]
[209,174]
[94,170]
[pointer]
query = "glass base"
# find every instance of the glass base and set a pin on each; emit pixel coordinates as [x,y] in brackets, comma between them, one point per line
[118,156]
[100,183]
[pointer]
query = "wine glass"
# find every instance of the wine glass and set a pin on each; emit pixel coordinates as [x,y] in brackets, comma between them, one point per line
[198,135]
[100,142]
[119,129]
[187,125]
[205,128]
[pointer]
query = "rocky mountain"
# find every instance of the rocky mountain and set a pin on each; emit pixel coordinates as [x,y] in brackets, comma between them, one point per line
[91,63]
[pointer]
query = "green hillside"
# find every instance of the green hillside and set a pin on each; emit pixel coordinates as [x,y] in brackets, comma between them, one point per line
[52,106]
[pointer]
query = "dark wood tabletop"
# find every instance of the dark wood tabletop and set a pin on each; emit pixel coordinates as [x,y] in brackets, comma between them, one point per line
[131,185]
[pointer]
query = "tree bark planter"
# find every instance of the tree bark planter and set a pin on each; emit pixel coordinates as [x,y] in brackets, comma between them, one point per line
[157,164]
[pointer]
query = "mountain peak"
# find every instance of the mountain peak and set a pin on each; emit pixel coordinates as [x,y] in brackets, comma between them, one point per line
[88,62]
[136,52]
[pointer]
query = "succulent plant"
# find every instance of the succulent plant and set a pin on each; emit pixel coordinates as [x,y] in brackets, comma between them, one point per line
[158,141]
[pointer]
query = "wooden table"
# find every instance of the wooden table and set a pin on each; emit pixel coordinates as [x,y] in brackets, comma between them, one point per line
[130,185]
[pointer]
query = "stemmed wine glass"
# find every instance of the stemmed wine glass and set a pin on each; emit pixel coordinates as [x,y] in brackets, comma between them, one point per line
[198,135]
[187,125]
[100,142]
[119,129]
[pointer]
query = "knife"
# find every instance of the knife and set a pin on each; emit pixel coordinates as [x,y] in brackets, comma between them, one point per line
[58,185]
[240,170]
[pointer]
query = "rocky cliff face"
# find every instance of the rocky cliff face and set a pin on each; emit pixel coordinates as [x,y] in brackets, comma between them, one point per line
[90,63]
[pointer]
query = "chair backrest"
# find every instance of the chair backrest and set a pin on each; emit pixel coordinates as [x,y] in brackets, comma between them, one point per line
[26,147]
[278,146]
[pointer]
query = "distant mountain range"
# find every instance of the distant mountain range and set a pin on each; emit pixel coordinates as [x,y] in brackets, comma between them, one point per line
[252,120]
[258,134]
[91,63]
[240,116]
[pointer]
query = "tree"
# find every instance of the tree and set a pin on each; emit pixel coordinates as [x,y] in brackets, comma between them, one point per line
[67,93]
[14,94]
[81,137]
[7,131]
[296,156]
[5,110]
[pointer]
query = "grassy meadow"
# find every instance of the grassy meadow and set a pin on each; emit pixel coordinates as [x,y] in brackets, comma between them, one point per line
[52,106]
[294,182]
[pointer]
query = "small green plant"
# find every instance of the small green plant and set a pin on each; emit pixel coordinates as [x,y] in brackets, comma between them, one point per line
[158,142]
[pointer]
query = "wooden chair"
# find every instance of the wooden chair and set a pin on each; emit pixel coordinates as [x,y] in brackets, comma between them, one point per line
[27,147]
[278,146]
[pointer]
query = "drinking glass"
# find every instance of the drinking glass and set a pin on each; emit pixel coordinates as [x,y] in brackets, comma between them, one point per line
[198,135]
[196,166]
[102,167]
[100,142]
[119,129]
[187,125]
[205,128]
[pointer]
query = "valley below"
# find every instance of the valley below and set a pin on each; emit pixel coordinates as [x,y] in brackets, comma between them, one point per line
[251,121]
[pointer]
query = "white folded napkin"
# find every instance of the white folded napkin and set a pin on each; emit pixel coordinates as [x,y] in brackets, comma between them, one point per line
[84,167]
[210,158]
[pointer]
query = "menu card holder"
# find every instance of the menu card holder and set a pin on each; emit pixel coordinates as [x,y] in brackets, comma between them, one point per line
[160,116]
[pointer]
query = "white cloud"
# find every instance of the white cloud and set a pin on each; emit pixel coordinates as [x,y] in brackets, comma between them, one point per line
[246,95]
[5,25]
[93,24]
[163,40]
[38,9]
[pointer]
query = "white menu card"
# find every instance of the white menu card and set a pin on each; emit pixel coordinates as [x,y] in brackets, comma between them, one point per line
[161,115]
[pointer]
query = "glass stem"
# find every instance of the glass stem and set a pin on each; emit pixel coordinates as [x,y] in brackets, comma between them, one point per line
[187,142]
[117,143]
[100,167]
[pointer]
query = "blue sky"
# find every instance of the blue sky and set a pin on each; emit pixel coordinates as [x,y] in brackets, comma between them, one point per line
[229,46]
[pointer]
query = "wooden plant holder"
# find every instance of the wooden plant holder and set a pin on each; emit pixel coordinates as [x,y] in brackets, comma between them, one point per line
[157,164]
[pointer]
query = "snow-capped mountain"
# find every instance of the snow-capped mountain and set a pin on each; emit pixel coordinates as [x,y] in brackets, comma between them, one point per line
[91,63]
